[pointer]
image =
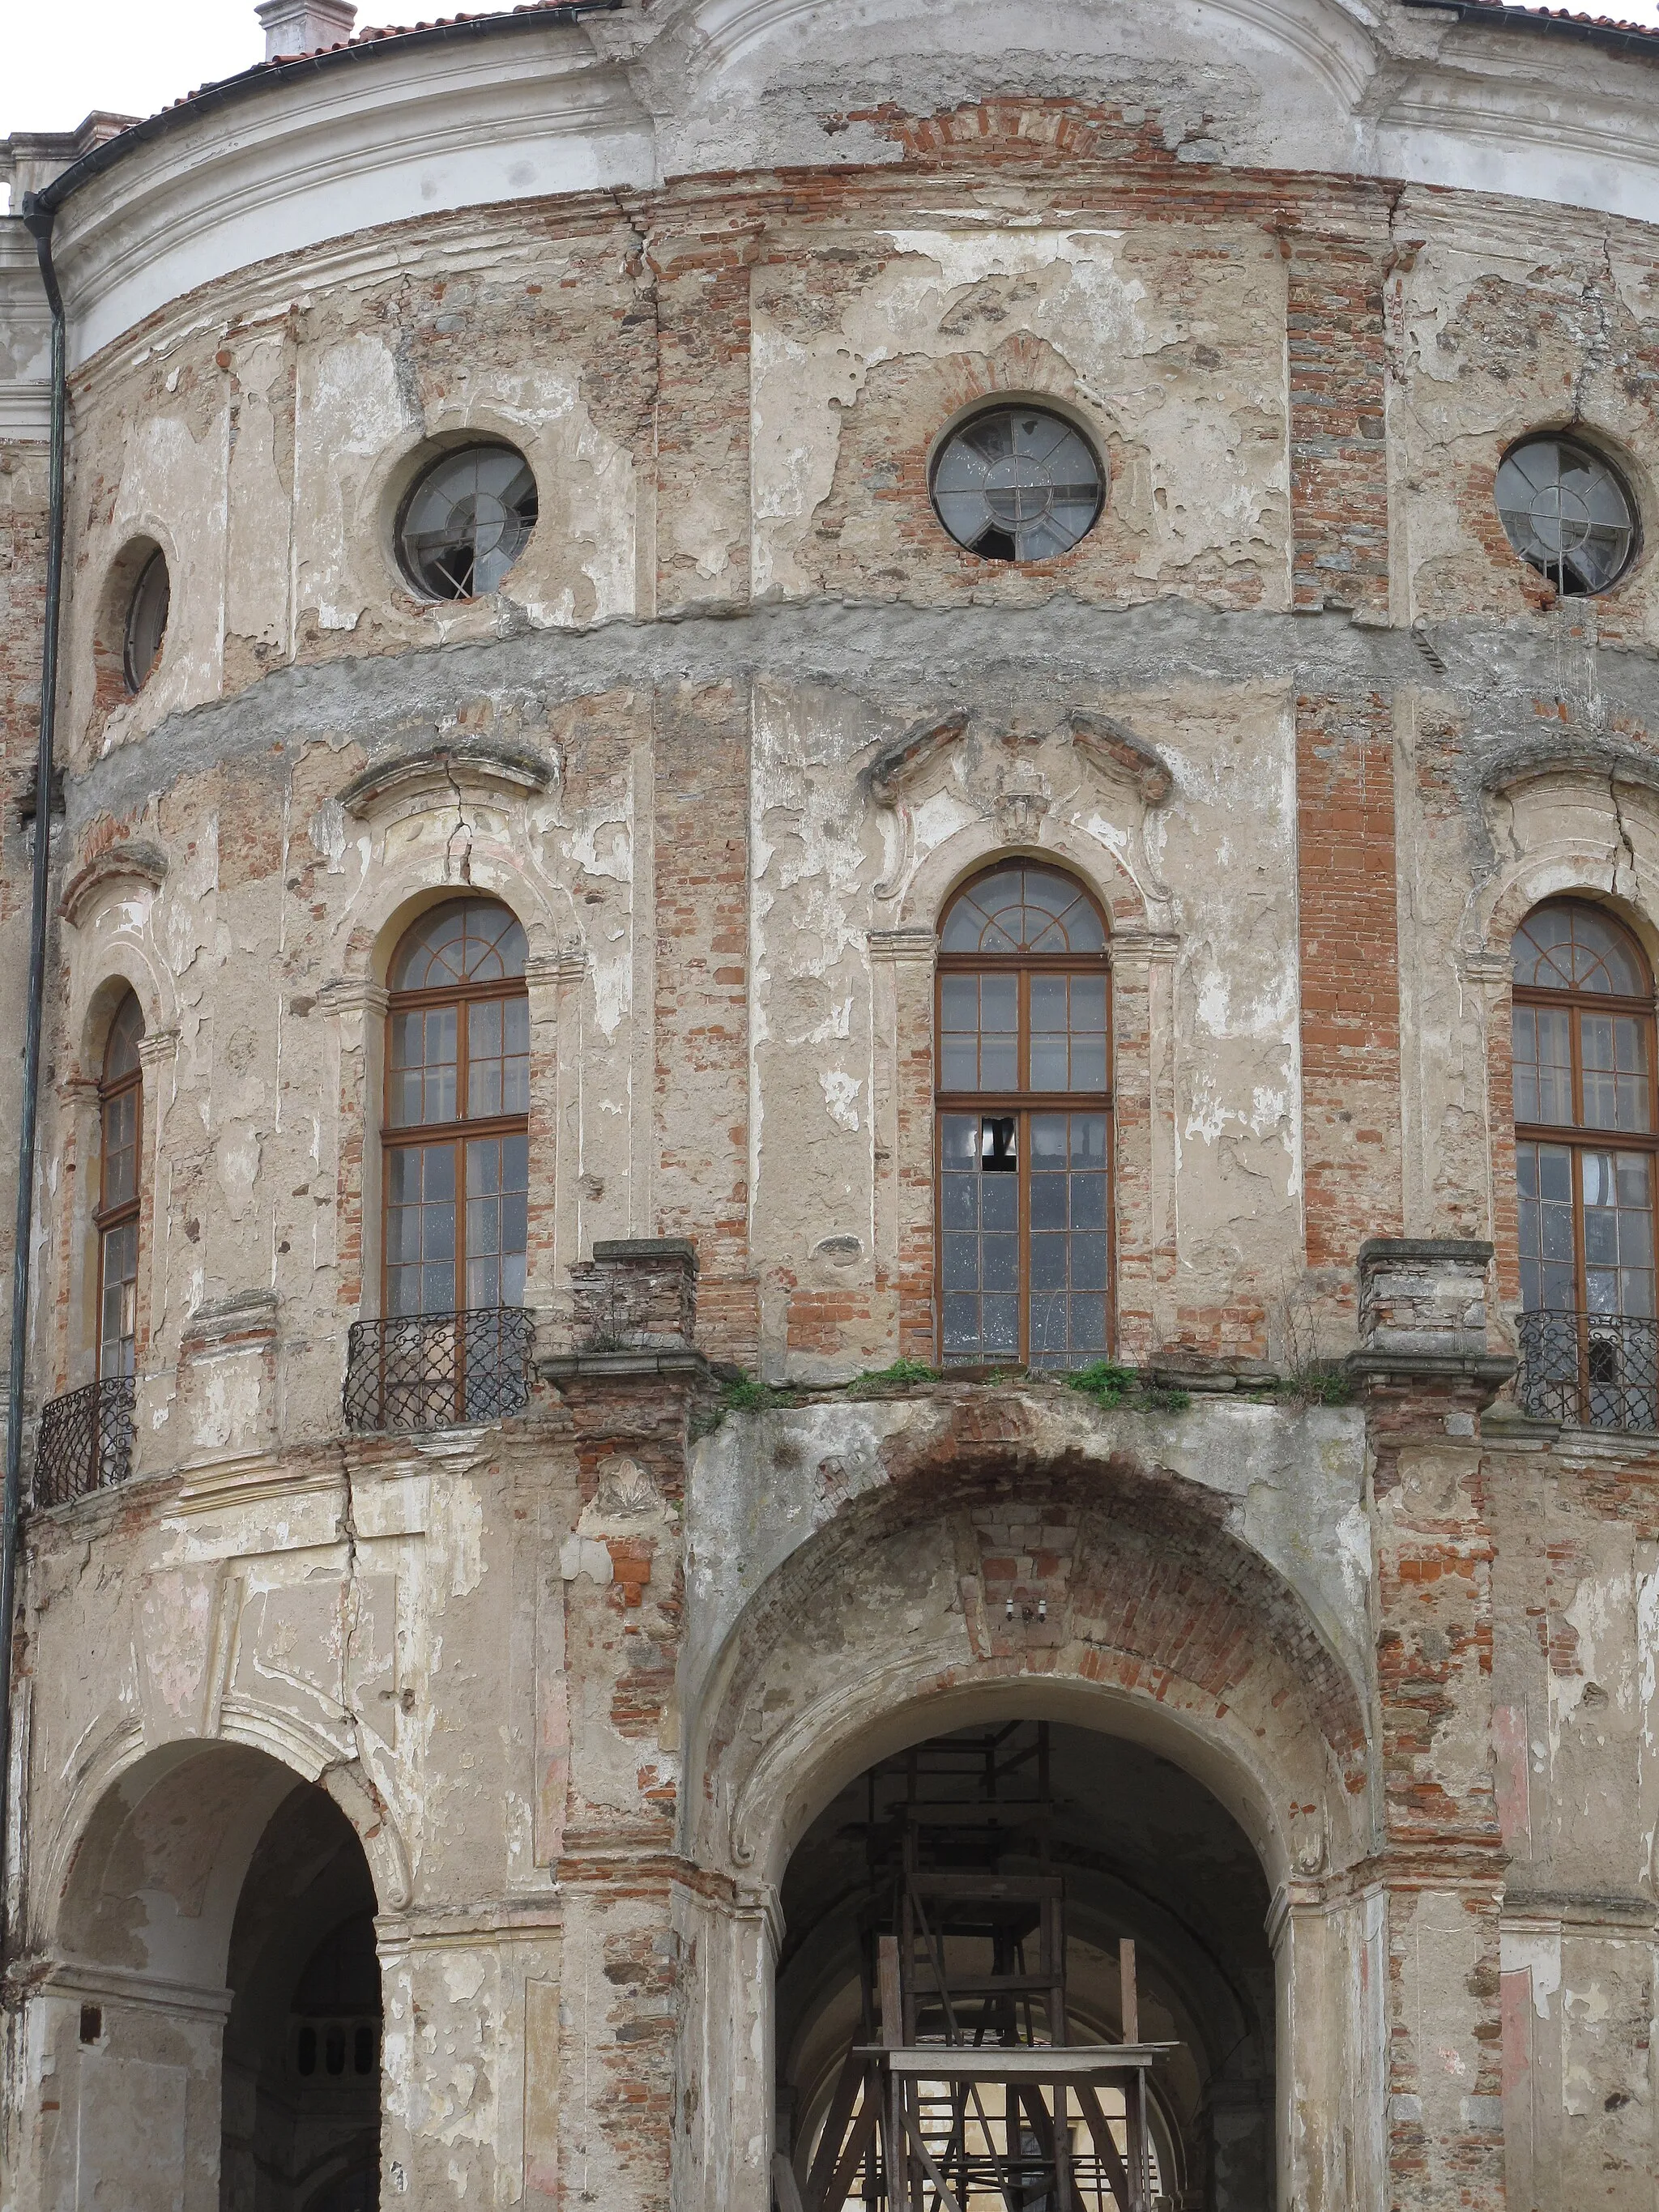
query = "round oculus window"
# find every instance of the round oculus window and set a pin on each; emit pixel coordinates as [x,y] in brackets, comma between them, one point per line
[1568,513]
[466,521]
[1018,483]
[146,621]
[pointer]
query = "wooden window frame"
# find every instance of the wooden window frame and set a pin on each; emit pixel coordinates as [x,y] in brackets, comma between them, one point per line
[1022,1103]
[107,1218]
[459,1132]
[1577,1137]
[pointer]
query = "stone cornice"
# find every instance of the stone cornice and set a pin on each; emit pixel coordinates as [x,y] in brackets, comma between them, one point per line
[457,771]
[352,995]
[136,863]
[919,947]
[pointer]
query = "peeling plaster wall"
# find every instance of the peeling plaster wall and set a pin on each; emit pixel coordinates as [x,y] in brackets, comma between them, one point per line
[737,724]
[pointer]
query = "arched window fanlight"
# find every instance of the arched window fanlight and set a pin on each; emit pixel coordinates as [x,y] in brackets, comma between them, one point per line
[1587,1130]
[466,521]
[120,1117]
[1024,1218]
[1018,483]
[1568,513]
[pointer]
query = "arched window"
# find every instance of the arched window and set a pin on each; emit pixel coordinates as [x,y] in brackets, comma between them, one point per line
[120,1126]
[457,1132]
[1585,1123]
[1025,1215]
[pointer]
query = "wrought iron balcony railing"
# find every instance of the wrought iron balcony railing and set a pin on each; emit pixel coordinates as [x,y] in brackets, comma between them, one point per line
[85,1441]
[442,1370]
[1591,1370]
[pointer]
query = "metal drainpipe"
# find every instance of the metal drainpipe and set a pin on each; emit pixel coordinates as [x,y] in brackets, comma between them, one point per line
[39,221]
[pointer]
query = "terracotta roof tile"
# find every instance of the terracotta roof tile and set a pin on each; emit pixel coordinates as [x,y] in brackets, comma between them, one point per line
[1621,24]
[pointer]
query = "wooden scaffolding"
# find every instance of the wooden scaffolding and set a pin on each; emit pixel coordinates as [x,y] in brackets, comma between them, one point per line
[962,2091]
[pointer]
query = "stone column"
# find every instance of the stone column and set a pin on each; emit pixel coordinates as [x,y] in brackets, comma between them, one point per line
[902,963]
[471,2080]
[357,1006]
[555,987]
[636,1294]
[158,1056]
[1332,2045]
[124,2101]
[622,1568]
[730,1936]
[74,1331]
[1144,1140]
[1426,1374]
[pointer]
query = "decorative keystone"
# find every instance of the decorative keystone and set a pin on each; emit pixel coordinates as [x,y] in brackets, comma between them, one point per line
[636,1294]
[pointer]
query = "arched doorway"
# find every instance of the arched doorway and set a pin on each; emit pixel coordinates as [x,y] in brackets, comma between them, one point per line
[301,2126]
[1078,1928]
[215,2006]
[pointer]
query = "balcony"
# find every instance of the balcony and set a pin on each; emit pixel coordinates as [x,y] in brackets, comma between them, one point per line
[1589,1370]
[85,1441]
[443,1371]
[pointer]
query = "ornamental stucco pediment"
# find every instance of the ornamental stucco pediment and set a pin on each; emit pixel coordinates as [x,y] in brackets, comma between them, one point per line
[1114,753]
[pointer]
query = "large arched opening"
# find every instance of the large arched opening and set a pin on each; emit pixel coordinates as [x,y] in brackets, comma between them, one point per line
[1207,1755]
[1029,1887]
[214,2002]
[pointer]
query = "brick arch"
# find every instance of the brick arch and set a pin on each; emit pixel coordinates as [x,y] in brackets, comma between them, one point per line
[1162,1624]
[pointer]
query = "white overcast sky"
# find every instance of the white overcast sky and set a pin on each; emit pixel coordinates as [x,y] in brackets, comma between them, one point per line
[61,58]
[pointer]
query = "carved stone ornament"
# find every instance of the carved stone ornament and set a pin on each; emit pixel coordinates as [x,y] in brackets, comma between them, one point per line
[1022,801]
[1119,755]
[900,763]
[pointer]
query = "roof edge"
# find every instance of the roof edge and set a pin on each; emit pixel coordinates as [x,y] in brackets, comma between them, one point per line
[1557,23]
[230,90]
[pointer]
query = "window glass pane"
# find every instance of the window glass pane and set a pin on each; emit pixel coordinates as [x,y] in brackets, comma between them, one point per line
[1543,1065]
[420,1229]
[120,1164]
[1544,1188]
[1068,1267]
[126,1034]
[998,1021]
[497,1219]
[422,1081]
[118,1299]
[497,1074]
[959,1033]
[1618,1223]
[980,1252]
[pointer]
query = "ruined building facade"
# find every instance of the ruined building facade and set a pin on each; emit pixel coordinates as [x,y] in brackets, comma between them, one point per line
[758,696]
